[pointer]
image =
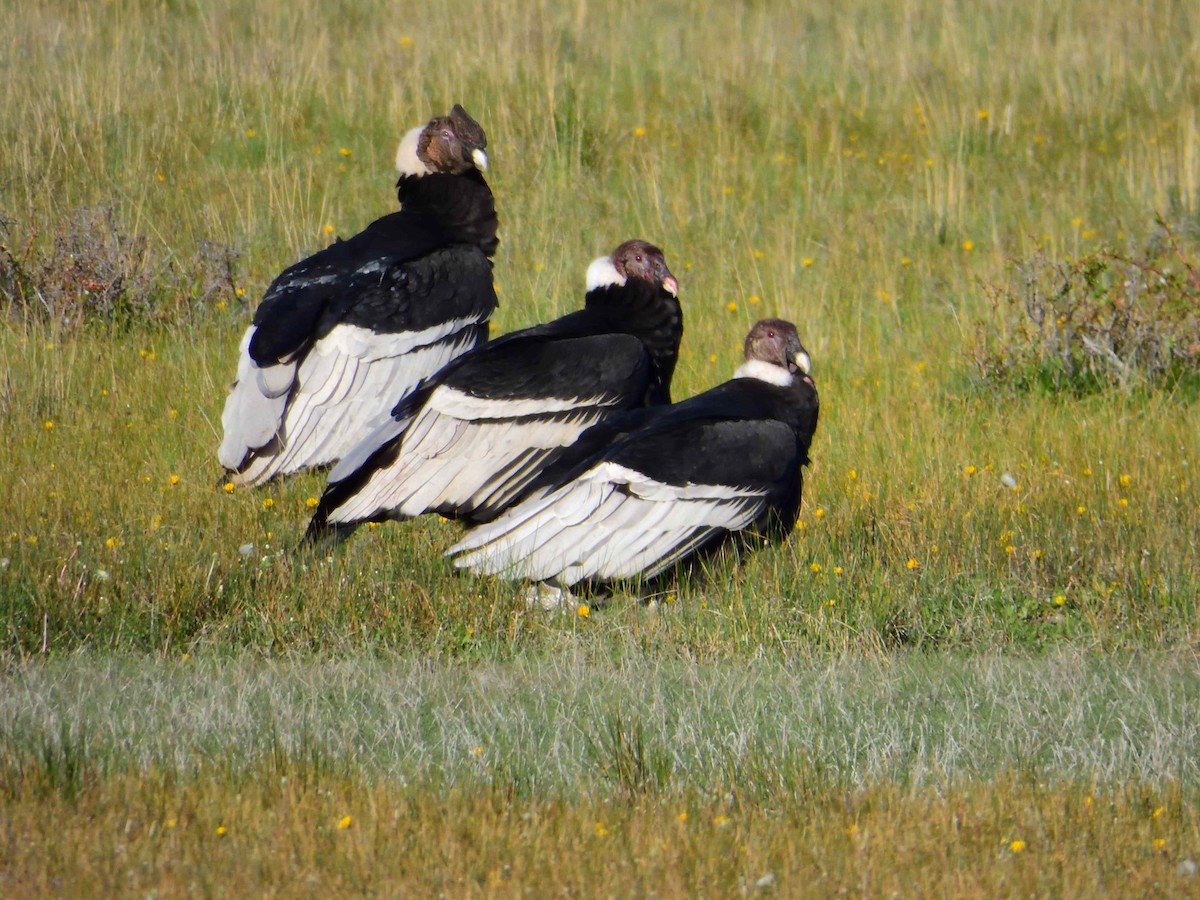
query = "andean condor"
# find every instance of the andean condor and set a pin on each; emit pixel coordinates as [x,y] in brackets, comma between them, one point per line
[724,463]
[342,335]
[468,443]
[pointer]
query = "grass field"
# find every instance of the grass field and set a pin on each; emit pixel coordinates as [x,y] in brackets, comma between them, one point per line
[972,670]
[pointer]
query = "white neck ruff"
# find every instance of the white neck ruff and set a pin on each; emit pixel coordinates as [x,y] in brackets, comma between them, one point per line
[407,161]
[764,371]
[602,273]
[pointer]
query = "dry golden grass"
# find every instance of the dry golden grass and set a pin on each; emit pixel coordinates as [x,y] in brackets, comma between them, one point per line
[304,834]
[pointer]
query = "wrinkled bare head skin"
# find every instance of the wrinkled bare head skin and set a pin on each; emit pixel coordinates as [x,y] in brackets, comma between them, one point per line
[453,144]
[640,259]
[777,342]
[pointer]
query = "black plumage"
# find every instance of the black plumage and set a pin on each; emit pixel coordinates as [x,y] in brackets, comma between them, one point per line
[470,441]
[681,480]
[342,335]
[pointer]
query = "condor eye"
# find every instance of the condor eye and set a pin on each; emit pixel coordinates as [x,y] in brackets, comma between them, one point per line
[637,257]
[770,334]
[447,134]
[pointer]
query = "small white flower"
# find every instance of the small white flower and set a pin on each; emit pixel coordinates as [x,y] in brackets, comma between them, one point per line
[246,549]
[1008,481]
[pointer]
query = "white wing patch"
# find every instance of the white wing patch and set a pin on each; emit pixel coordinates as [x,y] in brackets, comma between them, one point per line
[465,452]
[610,523]
[453,402]
[288,417]
[254,408]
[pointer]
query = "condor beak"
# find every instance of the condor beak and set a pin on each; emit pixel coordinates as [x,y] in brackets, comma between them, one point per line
[802,361]
[480,159]
[671,285]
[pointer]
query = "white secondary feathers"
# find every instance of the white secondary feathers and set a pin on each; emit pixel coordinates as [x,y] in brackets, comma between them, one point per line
[603,273]
[255,405]
[764,371]
[464,452]
[453,402]
[407,161]
[318,410]
[610,523]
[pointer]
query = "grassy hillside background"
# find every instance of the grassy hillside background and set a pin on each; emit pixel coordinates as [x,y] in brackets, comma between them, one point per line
[997,549]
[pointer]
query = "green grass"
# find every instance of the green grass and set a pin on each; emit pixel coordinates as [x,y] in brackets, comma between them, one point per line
[928,645]
[589,721]
[915,773]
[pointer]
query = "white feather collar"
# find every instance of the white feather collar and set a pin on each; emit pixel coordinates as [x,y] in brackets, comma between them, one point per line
[407,161]
[764,371]
[602,273]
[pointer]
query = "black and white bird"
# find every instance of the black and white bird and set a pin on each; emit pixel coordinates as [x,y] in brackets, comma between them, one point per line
[724,463]
[469,442]
[343,335]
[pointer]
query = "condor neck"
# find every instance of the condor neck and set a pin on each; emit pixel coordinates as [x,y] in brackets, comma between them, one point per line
[462,204]
[650,314]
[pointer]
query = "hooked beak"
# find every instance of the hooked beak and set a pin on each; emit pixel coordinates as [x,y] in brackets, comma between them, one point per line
[671,285]
[803,361]
[480,159]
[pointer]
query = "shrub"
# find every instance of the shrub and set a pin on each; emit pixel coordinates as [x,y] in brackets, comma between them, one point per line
[1104,320]
[94,272]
